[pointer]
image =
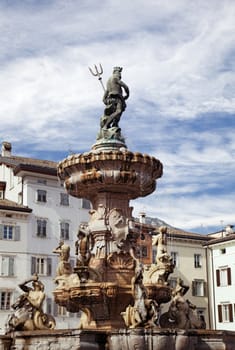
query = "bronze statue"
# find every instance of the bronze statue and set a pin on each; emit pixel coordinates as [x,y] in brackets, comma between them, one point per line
[114,100]
[28,313]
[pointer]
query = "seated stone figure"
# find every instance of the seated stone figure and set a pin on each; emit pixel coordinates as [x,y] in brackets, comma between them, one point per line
[28,313]
[181,312]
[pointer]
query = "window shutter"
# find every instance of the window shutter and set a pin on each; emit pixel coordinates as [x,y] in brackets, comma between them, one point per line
[49,306]
[218,278]
[1,231]
[17,233]
[33,265]
[49,266]
[193,288]
[229,276]
[204,289]
[55,309]
[220,313]
[11,266]
[230,307]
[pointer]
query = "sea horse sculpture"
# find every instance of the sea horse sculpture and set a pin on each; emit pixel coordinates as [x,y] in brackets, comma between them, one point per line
[28,314]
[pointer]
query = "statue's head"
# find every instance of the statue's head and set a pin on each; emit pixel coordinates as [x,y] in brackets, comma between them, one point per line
[38,286]
[117,69]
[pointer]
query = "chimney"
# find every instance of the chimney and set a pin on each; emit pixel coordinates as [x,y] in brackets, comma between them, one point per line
[142,217]
[6,149]
[229,230]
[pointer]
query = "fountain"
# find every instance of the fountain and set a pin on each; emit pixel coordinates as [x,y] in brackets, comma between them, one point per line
[119,298]
[109,176]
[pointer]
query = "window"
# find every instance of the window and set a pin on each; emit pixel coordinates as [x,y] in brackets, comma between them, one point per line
[197,260]
[41,228]
[6,297]
[41,196]
[41,266]
[64,230]
[10,232]
[64,199]
[86,204]
[199,288]
[175,259]
[61,311]
[142,251]
[7,266]
[225,313]
[154,255]
[172,282]
[223,277]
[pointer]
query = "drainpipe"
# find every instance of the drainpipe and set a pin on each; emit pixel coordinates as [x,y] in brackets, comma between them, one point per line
[209,252]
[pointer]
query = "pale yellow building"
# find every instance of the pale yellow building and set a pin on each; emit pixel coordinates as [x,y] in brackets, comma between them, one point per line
[189,257]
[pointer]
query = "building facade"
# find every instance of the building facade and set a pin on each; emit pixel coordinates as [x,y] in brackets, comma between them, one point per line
[221,273]
[36,213]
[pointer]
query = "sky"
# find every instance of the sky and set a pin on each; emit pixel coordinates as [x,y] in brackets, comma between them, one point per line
[178,59]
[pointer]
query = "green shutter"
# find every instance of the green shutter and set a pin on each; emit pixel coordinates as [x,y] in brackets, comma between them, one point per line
[220,313]
[218,278]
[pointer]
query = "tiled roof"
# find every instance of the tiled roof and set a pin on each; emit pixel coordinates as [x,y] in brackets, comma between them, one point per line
[15,160]
[185,234]
[10,205]
[227,238]
[30,164]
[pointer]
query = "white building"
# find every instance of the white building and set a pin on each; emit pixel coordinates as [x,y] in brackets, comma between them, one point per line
[221,273]
[35,214]
[189,257]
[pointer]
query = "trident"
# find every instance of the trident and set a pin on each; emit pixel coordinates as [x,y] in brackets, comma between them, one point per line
[98,74]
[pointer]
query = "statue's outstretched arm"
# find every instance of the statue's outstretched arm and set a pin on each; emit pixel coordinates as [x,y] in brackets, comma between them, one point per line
[23,286]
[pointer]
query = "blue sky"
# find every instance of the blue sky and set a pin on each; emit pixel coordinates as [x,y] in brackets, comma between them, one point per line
[178,59]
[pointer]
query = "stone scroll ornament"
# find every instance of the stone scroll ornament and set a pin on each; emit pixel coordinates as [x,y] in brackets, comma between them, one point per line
[28,312]
[115,95]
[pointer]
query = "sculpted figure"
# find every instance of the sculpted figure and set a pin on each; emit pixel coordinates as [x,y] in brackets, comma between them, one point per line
[160,241]
[64,267]
[28,313]
[164,266]
[118,224]
[114,100]
[181,312]
[82,246]
[144,313]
